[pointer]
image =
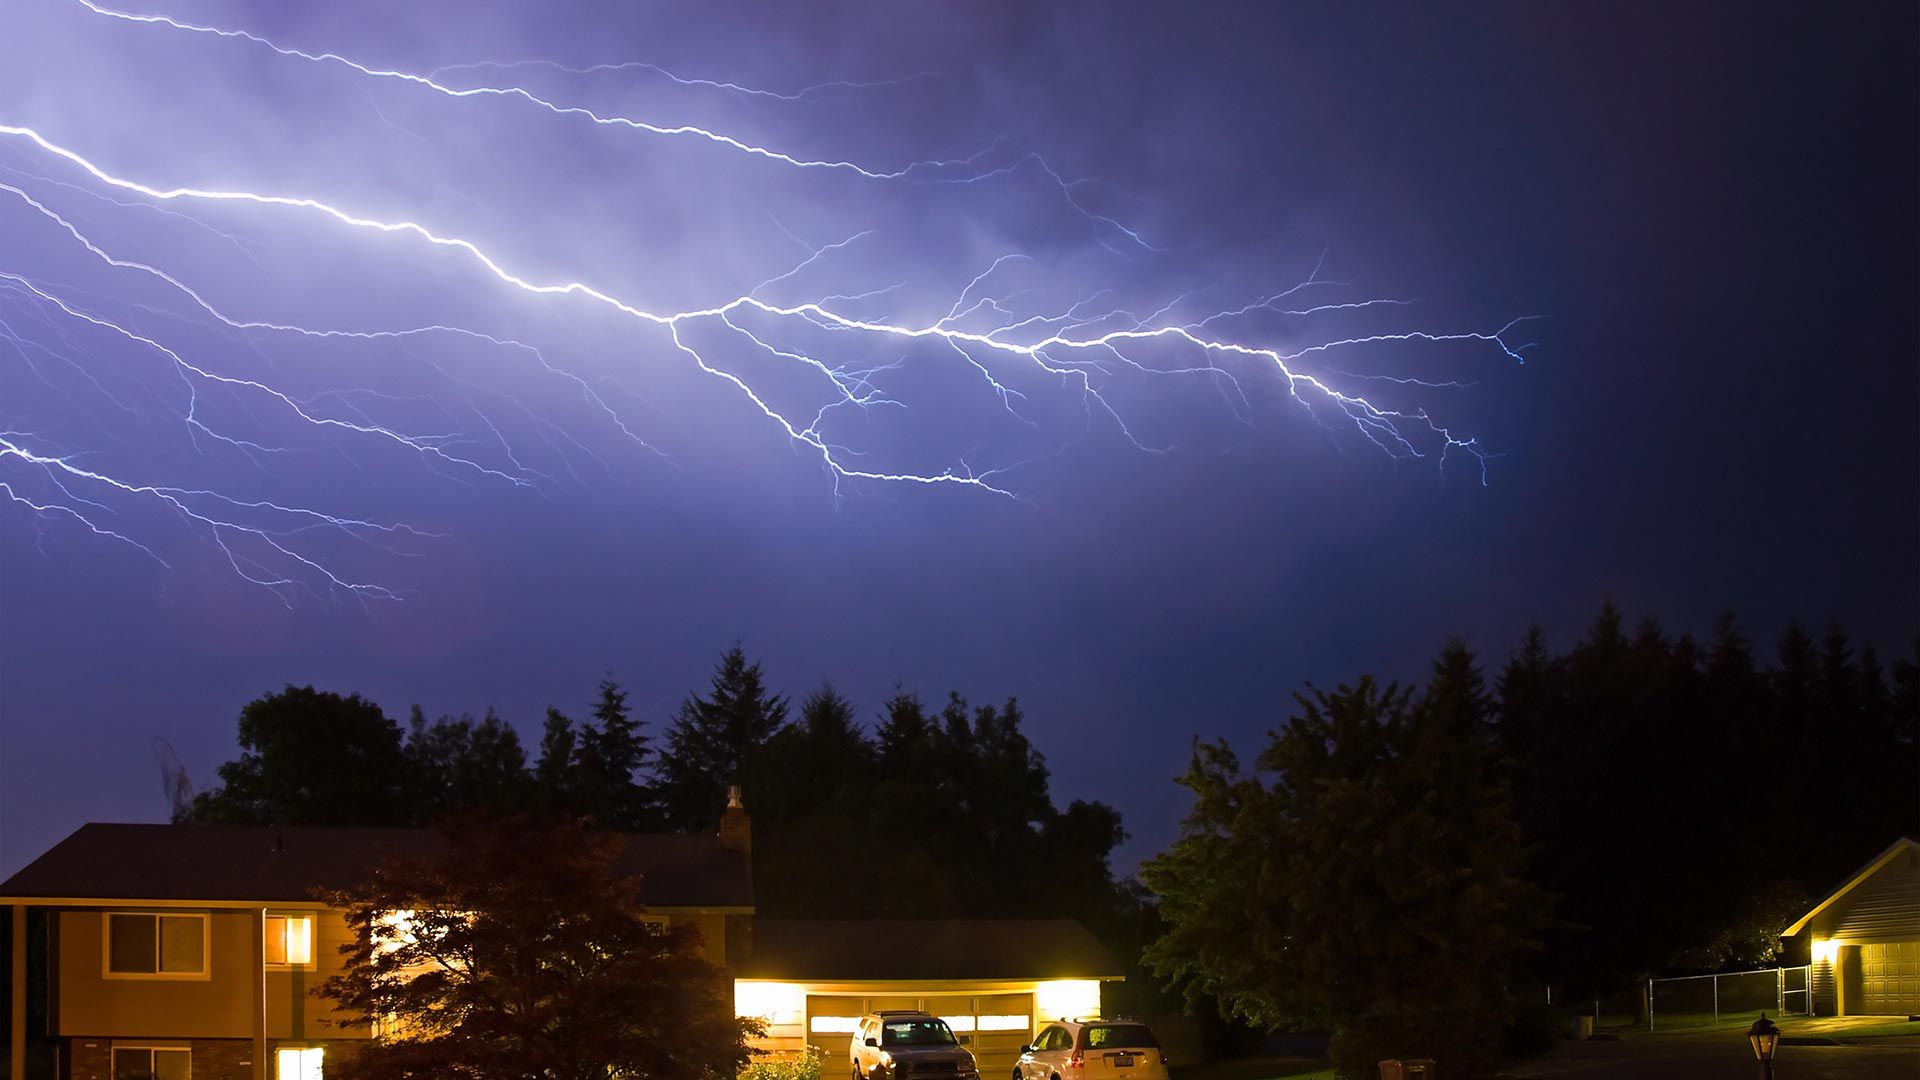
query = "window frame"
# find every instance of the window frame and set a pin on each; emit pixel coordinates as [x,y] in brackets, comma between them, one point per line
[176,1048]
[302,1048]
[313,940]
[206,950]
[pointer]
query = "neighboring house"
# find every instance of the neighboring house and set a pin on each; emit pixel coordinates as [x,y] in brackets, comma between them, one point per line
[193,951]
[1866,939]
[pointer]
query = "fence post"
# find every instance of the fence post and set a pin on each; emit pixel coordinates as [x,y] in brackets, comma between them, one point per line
[1780,996]
[1716,1001]
[1649,1003]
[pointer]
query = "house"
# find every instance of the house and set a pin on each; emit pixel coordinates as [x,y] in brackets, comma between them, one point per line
[1865,939]
[194,951]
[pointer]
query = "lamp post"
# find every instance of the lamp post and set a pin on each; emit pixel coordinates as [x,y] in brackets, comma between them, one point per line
[1765,1038]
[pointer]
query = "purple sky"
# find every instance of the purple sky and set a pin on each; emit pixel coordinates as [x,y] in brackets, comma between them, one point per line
[1712,218]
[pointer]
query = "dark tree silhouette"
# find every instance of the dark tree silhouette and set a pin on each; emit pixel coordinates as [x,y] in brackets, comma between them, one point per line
[1365,879]
[523,953]
[310,757]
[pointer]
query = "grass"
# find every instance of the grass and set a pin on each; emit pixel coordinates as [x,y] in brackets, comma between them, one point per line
[1256,1068]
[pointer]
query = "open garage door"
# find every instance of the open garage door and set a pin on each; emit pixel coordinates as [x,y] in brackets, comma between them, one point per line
[1890,979]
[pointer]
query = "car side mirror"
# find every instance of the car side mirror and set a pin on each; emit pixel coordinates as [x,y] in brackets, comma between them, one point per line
[965,1039]
[873,1042]
[1026,1048]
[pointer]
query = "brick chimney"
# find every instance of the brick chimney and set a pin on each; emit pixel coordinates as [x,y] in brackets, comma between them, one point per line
[736,828]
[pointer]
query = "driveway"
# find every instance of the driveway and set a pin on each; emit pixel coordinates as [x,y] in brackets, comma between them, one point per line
[1725,1053]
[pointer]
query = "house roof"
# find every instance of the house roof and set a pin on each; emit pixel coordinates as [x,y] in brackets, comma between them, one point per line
[264,863]
[1905,843]
[885,950]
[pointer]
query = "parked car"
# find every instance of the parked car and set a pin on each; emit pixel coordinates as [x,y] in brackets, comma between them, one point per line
[1092,1050]
[909,1045]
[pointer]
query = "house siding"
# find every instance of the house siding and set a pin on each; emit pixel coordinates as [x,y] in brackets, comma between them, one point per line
[217,1007]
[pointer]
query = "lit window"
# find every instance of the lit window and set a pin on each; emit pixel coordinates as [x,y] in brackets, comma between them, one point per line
[297,1063]
[157,1062]
[1006,1022]
[832,1025]
[1067,999]
[776,1003]
[156,945]
[961,1025]
[289,940]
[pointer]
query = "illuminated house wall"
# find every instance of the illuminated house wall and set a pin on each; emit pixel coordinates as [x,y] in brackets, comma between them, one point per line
[1864,939]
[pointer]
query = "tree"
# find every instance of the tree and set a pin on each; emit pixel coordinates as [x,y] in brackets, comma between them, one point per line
[462,766]
[523,951]
[713,741]
[607,759]
[311,757]
[1365,879]
[553,776]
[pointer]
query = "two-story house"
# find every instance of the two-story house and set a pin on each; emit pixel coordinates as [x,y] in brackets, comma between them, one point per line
[192,952]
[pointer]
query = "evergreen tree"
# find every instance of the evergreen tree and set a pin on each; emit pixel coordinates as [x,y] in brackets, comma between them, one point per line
[607,761]
[713,742]
[553,774]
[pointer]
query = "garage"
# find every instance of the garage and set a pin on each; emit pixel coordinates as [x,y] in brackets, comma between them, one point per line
[995,1025]
[1864,938]
[991,980]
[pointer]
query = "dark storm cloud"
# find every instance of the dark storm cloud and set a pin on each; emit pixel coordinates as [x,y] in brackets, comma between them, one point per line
[1714,215]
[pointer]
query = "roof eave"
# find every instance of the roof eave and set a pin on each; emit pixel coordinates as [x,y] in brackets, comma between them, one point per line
[1853,882]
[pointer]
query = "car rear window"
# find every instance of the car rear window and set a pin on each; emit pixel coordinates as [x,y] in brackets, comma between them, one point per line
[1100,1036]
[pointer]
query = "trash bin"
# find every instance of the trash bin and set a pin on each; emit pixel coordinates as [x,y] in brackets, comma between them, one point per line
[1583,1027]
[1407,1069]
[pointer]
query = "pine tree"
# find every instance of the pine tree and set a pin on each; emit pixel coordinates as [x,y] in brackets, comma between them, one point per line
[714,742]
[608,758]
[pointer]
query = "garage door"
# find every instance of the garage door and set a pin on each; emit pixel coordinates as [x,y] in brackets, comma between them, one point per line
[996,1025]
[1890,979]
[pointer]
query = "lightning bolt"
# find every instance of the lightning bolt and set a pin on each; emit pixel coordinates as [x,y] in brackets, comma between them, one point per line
[1002,336]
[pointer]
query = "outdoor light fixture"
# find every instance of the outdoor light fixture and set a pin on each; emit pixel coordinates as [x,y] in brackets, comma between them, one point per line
[1765,1038]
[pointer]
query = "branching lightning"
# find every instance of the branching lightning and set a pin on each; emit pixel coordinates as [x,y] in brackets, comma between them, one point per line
[1005,341]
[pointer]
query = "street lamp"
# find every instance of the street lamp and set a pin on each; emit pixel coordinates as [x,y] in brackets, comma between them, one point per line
[1765,1038]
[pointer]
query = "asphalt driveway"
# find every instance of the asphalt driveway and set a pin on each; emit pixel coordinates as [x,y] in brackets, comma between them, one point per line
[1725,1053]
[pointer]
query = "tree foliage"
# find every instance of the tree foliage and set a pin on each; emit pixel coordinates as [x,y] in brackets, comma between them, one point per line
[310,757]
[1366,877]
[1678,795]
[522,952]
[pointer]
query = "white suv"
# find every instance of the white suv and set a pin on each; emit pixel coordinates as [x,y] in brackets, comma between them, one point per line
[909,1045]
[1092,1050]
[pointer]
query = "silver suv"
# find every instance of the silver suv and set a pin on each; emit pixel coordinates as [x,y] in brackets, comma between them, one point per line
[909,1045]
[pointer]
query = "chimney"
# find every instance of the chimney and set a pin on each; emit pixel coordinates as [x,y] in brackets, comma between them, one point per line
[736,828]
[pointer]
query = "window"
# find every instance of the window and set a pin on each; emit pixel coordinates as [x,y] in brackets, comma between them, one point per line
[155,1062]
[915,1033]
[156,946]
[833,1025]
[297,1063]
[290,941]
[1131,1036]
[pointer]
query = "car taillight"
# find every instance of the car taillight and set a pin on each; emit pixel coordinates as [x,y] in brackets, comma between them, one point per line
[1076,1059]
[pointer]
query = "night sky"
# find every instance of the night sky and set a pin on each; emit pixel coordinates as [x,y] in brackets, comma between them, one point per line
[1711,213]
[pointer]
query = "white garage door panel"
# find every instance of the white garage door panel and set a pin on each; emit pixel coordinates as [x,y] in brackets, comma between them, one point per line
[996,1025]
[1890,978]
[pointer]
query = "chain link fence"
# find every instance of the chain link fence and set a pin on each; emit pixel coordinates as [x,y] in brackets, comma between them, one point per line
[1736,997]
